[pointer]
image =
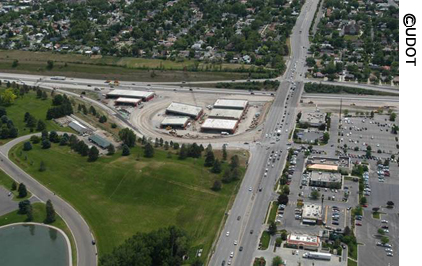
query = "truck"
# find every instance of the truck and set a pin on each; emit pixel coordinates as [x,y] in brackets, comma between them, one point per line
[317,255]
[58,78]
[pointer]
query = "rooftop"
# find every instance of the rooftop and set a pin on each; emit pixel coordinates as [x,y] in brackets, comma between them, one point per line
[99,141]
[186,109]
[311,211]
[131,93]
[313,118]
[175,120]
[128,100]
[228,103]
[226,113]
[325,176]
[303,239]
[223,124]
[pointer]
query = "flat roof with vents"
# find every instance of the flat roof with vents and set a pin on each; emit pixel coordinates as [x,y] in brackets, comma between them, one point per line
[133,101]
[230,104]
[226,114]
[220,125]
[297,239]
[184,109]
[311,211]
[175,121]
[130,94]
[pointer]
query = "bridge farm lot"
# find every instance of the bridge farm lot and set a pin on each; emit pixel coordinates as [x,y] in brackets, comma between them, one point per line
[119,196]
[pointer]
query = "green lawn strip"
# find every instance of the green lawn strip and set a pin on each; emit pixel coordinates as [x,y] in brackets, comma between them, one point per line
[273,212]
[351,262]
[39,214]
[353,251]
[119,196]
[36,107]
[376,215]
[6,182]
[265,240]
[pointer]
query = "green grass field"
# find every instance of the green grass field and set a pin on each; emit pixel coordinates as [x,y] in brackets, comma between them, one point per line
[265,240]
[119,196]
[39,213]
[273,212]
[36,107]
[109,67]
[351,263]
[6,182]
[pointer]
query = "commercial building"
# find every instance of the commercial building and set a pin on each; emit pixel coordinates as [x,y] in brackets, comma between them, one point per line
[313,119]
[231,104]
[311,213]
[334,164]
[144,95]
[303,242]
[175,122]
[325,179]
[128,101]
[226,114]
[99,141]
[78,127]
[219,125]
[184,109]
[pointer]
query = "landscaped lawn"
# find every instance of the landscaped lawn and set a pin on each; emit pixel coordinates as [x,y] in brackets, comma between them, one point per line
[273,212]
[6,182]
[351,263]
[119,196]
[36,107]
[265,240]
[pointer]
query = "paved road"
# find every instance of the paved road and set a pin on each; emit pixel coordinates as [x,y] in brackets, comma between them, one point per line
[252,206]
[86,252]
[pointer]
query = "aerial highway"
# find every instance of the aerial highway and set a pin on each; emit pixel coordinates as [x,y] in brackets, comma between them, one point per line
[246,219]
[86,251]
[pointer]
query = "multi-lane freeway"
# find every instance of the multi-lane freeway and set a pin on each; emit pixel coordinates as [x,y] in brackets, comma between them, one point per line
[246,219]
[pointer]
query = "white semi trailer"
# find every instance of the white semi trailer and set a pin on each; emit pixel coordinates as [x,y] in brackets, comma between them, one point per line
[317,255]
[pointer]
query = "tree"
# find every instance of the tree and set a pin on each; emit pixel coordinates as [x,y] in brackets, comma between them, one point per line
[23,206]
[363,201]
[8,97]
[166,246]
[110,149]
[102,119]
[393,117]
[385,240]
[149,150]
[234,162]
[22,192]
[42,166]
[27,146]
[315,195]
[14,186]
[166,145]
[217,185]
[50,65]
[326,137]
[283,199]
[224,153]
[54,137]
[15,63]
[286,190]
[3,111]
[272,229]
[209,158]
[381,231]
[45,144]
[283,235]
[93,154]
[50,212]
[128,137]
[235,174]
[125,150]
[277,261]
[183,153]
[41,125]
[216,168]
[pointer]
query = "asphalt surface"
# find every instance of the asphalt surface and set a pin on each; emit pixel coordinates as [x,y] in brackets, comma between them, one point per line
[86,252]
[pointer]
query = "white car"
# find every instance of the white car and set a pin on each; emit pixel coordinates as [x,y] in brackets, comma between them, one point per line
[250,188]
[389,250]
[384,221]
[228,233]
[231,254]
[390,254]
[235,242]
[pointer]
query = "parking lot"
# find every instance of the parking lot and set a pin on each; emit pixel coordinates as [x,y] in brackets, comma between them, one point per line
[369,253]
[358,133]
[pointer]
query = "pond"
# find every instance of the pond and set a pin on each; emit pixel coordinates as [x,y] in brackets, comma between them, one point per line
[31,244]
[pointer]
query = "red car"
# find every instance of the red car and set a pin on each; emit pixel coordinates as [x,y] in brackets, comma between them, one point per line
[358,223]
[365,205]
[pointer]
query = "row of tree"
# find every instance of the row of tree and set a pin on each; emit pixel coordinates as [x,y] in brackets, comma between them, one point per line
[25,208]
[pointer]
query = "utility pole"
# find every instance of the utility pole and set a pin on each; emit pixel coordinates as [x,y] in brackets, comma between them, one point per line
[341,105]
